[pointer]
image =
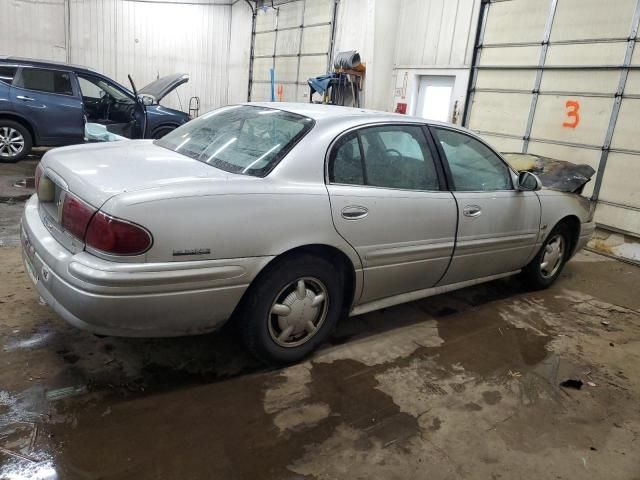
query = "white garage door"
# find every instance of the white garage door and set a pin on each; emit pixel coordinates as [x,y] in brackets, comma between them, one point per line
[294,39]
[561,78]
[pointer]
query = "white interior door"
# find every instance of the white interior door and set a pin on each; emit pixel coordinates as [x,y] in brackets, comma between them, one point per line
[434,97]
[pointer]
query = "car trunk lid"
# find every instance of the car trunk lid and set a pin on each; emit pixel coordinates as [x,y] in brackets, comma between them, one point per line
[96,173]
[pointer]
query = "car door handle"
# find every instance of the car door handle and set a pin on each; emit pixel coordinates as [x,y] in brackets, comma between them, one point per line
[26,99]
[354,212]
[472,211]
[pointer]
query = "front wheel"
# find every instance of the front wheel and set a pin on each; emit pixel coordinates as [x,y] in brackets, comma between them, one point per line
[547,265]
[292,309]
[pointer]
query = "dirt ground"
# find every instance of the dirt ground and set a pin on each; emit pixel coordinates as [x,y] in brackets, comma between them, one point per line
[463,385]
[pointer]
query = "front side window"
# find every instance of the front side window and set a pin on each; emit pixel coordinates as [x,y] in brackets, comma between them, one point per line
[395,156]
[7,74]
[474,166]
[240,139]
[49,81]
[93,87]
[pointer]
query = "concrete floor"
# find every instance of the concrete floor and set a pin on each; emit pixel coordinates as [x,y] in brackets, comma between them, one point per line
[463,385]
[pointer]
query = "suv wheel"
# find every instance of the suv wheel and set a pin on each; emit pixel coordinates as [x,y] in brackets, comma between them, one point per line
[292,309]
[15,141]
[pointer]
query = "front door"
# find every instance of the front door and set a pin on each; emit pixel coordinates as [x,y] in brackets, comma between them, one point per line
[386,201]
[50,101]
[497,224]
[105,103]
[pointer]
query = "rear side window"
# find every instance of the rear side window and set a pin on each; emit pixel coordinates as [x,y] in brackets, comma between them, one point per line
[395,156]
[50,81]
[7,74]
[345,163]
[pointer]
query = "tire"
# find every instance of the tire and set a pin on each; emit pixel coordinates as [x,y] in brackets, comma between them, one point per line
[555,251]
[264,320]
[161,132]
[12,135]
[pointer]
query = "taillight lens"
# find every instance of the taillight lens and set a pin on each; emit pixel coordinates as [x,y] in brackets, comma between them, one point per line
[75,215]
[118,237]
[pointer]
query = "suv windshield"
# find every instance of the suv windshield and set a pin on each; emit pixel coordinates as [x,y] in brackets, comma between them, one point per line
[240,139]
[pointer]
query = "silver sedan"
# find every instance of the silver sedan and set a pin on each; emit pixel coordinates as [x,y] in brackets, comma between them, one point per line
[284,218]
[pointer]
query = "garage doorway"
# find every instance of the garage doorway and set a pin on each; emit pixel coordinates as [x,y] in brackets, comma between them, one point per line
[435,94]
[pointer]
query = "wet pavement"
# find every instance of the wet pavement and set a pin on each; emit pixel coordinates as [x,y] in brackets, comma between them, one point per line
[463,385]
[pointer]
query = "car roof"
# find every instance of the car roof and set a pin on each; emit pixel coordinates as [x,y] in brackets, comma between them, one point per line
[322,112]
[42,63]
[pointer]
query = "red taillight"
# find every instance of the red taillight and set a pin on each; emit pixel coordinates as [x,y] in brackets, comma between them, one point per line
[117,237]
[75,215]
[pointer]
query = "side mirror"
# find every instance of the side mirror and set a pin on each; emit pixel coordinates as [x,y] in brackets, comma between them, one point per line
[147,100]
[528,182]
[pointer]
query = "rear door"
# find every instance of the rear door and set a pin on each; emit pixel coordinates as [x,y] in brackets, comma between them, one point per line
[387,202]
[497,224]
[51,101]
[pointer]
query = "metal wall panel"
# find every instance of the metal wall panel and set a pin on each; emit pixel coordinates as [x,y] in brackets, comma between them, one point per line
[496,79]
[510,56]
[586,54]
[625,136]
[503,144]
[504,113]
[580,81]
[583,103]
[21,36]
[551,114]
[621,167]
[592,19]
[516,21]
[442,28]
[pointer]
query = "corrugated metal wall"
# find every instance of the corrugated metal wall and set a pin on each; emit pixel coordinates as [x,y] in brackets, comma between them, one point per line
[434,33]
[561,78]
[121,37]
[33,28]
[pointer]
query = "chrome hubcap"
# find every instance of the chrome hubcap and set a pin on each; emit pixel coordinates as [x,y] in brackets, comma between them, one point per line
[11,142]
[552,258]
[298,312]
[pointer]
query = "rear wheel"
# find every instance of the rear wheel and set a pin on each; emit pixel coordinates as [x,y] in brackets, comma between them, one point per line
[547,265]
[292,309]
[15,141]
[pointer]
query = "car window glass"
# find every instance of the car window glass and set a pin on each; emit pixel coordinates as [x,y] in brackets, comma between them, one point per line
[94,86]
[90,89]
[397,156]
[345,163]
[7,74]
[49,81]
[474,167]
[239,139]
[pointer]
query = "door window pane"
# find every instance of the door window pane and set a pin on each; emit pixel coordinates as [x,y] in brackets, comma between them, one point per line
[474,167]
[7,74]
[47,81]
[398,157]
[345,163]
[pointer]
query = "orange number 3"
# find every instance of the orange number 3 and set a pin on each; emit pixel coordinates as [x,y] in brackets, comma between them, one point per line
[572,112]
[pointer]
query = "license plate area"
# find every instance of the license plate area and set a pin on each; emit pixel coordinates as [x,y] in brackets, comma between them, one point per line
[31,271]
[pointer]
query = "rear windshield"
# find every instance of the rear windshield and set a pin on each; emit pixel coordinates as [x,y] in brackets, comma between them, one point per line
[240,139]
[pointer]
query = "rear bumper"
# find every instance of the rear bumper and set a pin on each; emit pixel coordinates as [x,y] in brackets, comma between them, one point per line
[132,299]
